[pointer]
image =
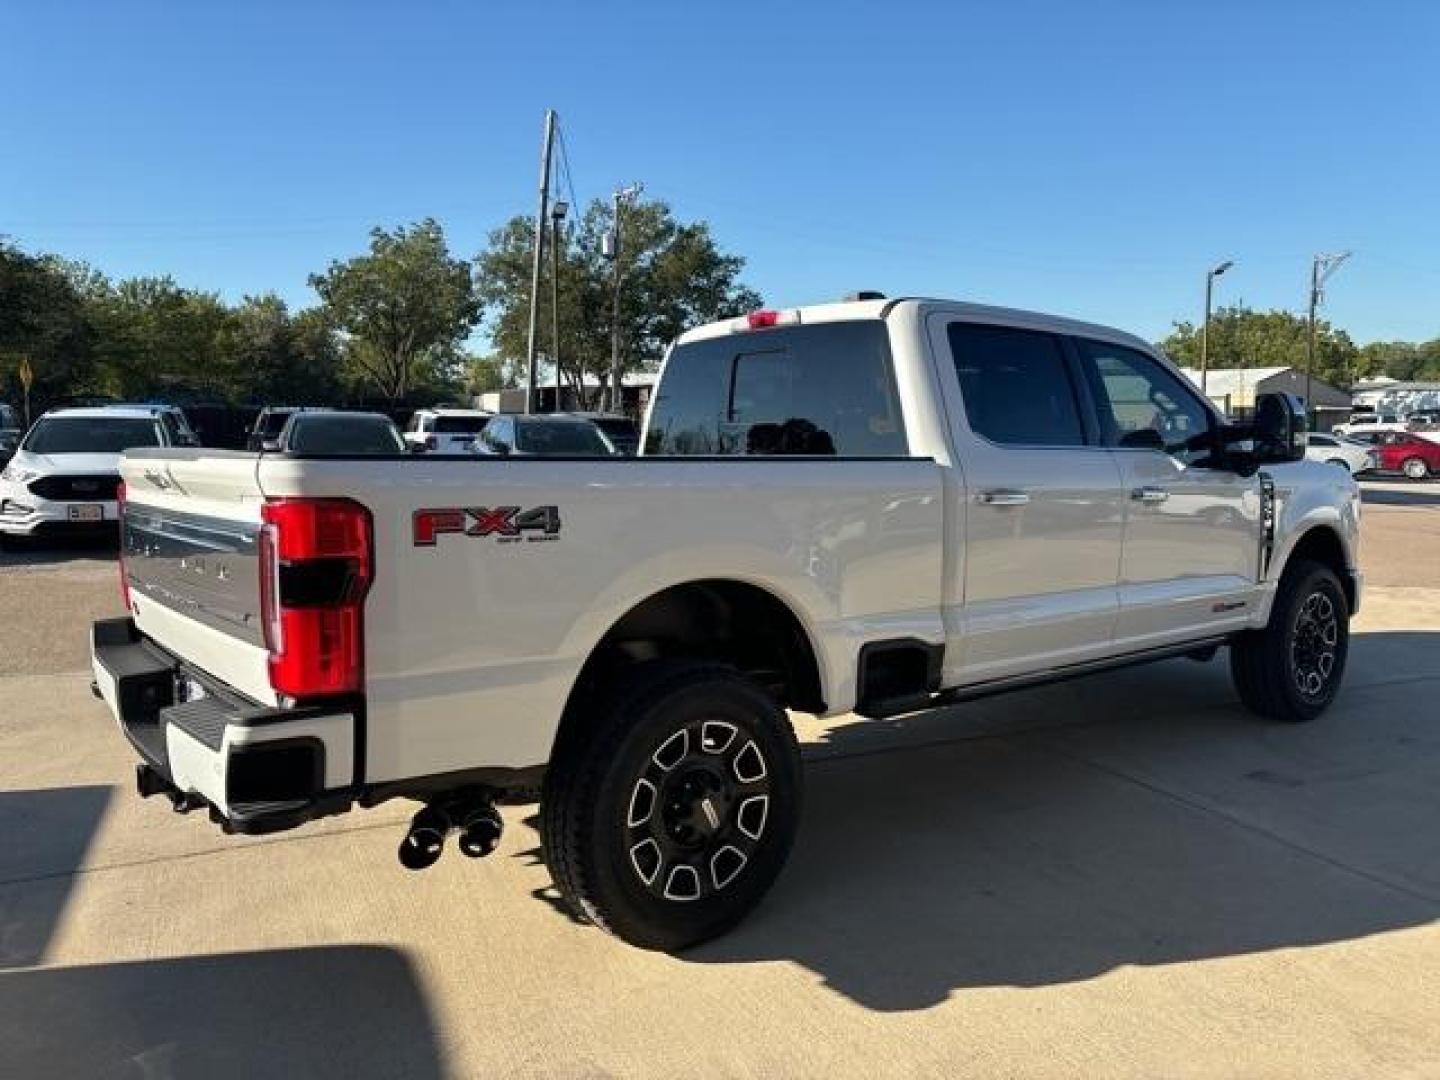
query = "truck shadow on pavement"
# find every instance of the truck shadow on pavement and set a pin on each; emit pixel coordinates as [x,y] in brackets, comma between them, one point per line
[345,1011]
[342,1011]
[929,863]
[46,835]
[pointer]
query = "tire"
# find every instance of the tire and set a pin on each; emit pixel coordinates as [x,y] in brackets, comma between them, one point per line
[1292,669]
[1415,468]
[668,816]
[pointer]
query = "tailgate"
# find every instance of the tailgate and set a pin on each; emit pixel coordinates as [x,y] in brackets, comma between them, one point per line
[190,532]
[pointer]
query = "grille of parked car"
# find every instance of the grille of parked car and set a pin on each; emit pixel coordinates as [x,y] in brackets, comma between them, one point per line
[76,488]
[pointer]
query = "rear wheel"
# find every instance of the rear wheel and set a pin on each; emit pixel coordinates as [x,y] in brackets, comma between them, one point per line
[1291,670]
[668,817]
[1415,468]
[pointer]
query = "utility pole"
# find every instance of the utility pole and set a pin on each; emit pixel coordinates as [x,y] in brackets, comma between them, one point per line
[1321,267]
[557,216]
[1205,326]
[611,250]
[539,257]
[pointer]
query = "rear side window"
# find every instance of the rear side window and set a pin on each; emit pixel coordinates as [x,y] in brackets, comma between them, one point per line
[826,390]
[1016,385]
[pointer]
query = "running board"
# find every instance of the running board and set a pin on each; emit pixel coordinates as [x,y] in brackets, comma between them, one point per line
[1074,671]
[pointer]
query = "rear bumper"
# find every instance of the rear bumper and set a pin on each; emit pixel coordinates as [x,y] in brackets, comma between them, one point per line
[256,768]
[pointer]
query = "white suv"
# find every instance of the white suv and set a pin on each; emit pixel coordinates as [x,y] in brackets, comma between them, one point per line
[65,472]
[445,431]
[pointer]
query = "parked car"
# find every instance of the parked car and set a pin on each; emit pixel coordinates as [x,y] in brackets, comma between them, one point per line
[544,435]
[623,432]
[1335,450]
[628,634]
[1368,423]
[1414,456]
[268,424]
[335,433]
[65,473]
[445,431]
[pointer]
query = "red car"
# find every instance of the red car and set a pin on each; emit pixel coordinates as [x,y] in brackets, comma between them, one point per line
[1414,455]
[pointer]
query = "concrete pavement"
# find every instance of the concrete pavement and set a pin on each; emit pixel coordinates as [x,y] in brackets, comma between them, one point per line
[1121,876]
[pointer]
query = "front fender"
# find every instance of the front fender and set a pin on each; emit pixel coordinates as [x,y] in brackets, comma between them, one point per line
[1309,495]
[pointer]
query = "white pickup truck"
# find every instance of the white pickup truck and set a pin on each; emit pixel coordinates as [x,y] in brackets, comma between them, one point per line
[875,506]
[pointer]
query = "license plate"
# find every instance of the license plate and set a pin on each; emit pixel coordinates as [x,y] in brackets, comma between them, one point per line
[87,513]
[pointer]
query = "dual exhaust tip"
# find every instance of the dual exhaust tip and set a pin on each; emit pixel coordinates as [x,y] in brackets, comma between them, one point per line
[478,824]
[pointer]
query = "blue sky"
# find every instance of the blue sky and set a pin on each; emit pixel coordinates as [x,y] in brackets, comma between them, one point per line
[1091,159]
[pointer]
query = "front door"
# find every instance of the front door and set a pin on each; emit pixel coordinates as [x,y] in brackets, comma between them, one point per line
[1041,501]
[1192,527]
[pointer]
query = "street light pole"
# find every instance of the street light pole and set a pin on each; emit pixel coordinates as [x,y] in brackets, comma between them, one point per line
[539,260]
[557,216]
[612,251]
[1321,267]
[1205,326]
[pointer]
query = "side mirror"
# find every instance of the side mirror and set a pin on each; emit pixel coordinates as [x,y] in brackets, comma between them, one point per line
[1279,428]
[1274,435]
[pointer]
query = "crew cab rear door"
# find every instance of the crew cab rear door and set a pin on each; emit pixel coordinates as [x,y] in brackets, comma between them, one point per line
[1042,509]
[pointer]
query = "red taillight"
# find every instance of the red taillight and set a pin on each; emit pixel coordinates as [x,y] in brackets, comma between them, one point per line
[758,320]
[120,520]
[315,569]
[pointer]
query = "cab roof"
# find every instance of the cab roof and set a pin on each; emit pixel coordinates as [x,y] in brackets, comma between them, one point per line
[853,310]
[108,412]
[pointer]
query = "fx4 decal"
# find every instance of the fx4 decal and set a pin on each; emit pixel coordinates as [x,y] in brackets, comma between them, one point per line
[508,524]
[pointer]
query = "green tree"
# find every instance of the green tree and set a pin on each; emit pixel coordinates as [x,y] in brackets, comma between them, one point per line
[152,337]
[1241,337]
[271,356]
[1402,360]
[674,276]
[405,308]
[43,320]
[485,373]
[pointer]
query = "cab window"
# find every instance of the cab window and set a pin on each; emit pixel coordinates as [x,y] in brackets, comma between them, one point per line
[826,390]
[1016,385]
[1142,406]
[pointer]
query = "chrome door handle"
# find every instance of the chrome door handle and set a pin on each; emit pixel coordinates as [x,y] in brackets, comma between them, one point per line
[1003,497]
[1149,494]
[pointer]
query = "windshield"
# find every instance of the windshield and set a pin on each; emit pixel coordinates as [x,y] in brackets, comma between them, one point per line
[460,425]
[90,435]
[561,439]
[342,434]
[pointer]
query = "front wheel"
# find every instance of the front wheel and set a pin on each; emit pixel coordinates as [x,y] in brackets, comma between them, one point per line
[1291,670]
[1415,468]
[669,815]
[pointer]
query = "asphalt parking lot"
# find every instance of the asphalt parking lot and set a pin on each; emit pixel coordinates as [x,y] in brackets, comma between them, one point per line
[1123,876]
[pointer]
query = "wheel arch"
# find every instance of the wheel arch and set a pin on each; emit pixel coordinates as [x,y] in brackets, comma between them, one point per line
[1323,543]
[726,620]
